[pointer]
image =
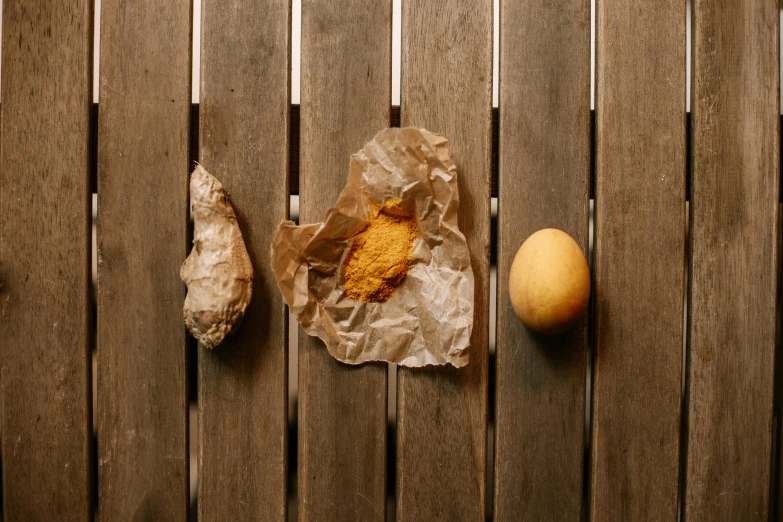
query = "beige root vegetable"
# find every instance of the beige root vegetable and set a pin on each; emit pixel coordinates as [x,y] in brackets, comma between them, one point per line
[218,272]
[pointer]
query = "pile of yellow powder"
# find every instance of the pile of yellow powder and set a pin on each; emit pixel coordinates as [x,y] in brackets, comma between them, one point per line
[380,255]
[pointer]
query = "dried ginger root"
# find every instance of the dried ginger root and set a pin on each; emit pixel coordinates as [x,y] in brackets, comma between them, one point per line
[218,271]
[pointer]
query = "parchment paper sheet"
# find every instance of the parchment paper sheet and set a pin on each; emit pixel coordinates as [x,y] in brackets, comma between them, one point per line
[429,318]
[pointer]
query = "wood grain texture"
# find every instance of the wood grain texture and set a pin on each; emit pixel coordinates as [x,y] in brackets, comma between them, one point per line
[639,259]
[345,100]
[44,260]
[776,489]
[243,387]
[442,412]
[544,182]
[293,123]
[736,167]
[142,241]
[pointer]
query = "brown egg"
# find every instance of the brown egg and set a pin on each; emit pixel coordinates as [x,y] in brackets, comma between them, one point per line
[549,282]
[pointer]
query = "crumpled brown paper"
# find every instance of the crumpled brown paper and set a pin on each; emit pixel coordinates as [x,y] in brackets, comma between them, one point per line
[429,318]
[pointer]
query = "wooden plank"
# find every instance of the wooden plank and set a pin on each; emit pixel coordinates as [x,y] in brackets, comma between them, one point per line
[776,489]
[442,412]
[346,96]
[243,385]
[45,260]
[544,183]
[142,241]
[736,167]
[639,259]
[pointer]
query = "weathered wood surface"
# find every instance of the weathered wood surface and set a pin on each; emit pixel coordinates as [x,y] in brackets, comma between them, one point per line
[142,241]
[442,412]
[734,206]
[345,100]
[243,387]
[44,260]
[544,182]
[639,259]
[293,122]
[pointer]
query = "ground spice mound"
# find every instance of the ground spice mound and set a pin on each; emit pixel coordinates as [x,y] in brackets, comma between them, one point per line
[380,255]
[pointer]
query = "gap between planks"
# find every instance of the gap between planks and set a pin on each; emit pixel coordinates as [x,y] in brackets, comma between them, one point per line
[294,152]
[294,144]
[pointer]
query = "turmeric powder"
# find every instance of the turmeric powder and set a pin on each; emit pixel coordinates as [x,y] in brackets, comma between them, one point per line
[380,256]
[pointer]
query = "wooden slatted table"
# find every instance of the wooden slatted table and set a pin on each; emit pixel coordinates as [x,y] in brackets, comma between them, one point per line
[666,398]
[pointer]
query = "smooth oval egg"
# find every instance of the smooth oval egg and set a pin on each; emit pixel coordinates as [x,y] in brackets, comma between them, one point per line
[549,282]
